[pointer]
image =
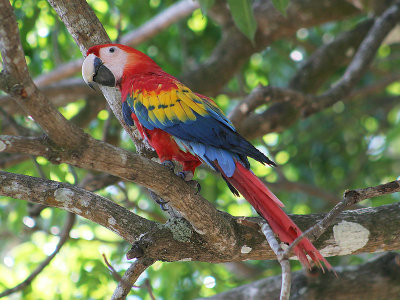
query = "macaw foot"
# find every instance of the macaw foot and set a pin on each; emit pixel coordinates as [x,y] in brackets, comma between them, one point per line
[169,164]
[160,201]
[187,176]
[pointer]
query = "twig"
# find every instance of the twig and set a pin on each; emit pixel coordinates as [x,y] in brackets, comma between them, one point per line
[350,198]
[120,279]
[149,289]
[63,238]
[283,261]
[114,273]
[329,58]
[130,277]
[265,94]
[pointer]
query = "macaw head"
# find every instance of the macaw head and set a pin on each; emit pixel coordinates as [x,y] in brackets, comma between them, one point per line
[109,64]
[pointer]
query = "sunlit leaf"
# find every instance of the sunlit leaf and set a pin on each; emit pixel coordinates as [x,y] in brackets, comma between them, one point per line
[242,14]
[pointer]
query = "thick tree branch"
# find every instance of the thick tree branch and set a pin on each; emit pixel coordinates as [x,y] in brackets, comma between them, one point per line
[374,280]
[81,27]
[353,232]
[75,200]
[96,155]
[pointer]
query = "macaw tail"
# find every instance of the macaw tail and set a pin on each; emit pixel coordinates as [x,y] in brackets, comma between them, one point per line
[269,207]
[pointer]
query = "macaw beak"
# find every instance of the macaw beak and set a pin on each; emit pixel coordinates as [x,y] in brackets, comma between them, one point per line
[94,70]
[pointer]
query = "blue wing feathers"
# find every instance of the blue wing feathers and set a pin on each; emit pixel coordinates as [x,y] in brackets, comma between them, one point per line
[212,132]
[127,113]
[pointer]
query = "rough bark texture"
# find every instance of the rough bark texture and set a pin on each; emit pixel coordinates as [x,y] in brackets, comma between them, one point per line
[376,280]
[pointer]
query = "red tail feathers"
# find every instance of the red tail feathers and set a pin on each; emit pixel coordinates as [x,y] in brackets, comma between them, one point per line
[269,207]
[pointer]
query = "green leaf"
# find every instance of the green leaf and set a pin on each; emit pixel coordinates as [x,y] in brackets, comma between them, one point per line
[205,5]
[243,17]
[281,5]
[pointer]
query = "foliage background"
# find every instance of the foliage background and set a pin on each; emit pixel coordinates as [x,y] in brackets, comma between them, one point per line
[349,145]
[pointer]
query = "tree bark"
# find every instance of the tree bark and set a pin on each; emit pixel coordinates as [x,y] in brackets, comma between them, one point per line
[375,280]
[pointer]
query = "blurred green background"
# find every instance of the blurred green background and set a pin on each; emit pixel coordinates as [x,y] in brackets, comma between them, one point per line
[352,144]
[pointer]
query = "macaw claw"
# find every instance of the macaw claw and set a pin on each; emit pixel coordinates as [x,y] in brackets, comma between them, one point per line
[169,164]
[195,184]
[160,201]
[187,176]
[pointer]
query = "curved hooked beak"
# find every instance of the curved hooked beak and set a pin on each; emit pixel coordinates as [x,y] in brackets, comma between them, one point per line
[94,70]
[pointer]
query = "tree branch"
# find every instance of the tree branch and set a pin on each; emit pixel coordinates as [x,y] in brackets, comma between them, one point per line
[350,198]
[282,259]
[79,26]
[353,232]
[160,22]
[75,200]
[130,277]
[214,228]
[375,280]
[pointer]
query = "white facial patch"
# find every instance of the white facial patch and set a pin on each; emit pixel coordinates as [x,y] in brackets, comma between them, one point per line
[114,59]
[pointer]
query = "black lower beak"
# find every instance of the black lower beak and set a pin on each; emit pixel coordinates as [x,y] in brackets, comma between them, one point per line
[102,74]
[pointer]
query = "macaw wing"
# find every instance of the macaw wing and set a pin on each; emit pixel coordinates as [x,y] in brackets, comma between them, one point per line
[195,121]
[175,107]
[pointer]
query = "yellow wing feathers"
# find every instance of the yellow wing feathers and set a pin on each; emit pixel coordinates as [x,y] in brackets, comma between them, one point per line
[166,106]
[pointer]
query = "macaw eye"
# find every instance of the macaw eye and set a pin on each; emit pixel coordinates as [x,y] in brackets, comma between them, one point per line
[112,50]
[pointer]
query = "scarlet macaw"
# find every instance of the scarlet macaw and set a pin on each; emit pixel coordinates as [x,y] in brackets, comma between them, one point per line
[189,128]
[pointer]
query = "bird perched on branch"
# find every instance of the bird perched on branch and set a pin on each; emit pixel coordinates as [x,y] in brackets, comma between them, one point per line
[189,128]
